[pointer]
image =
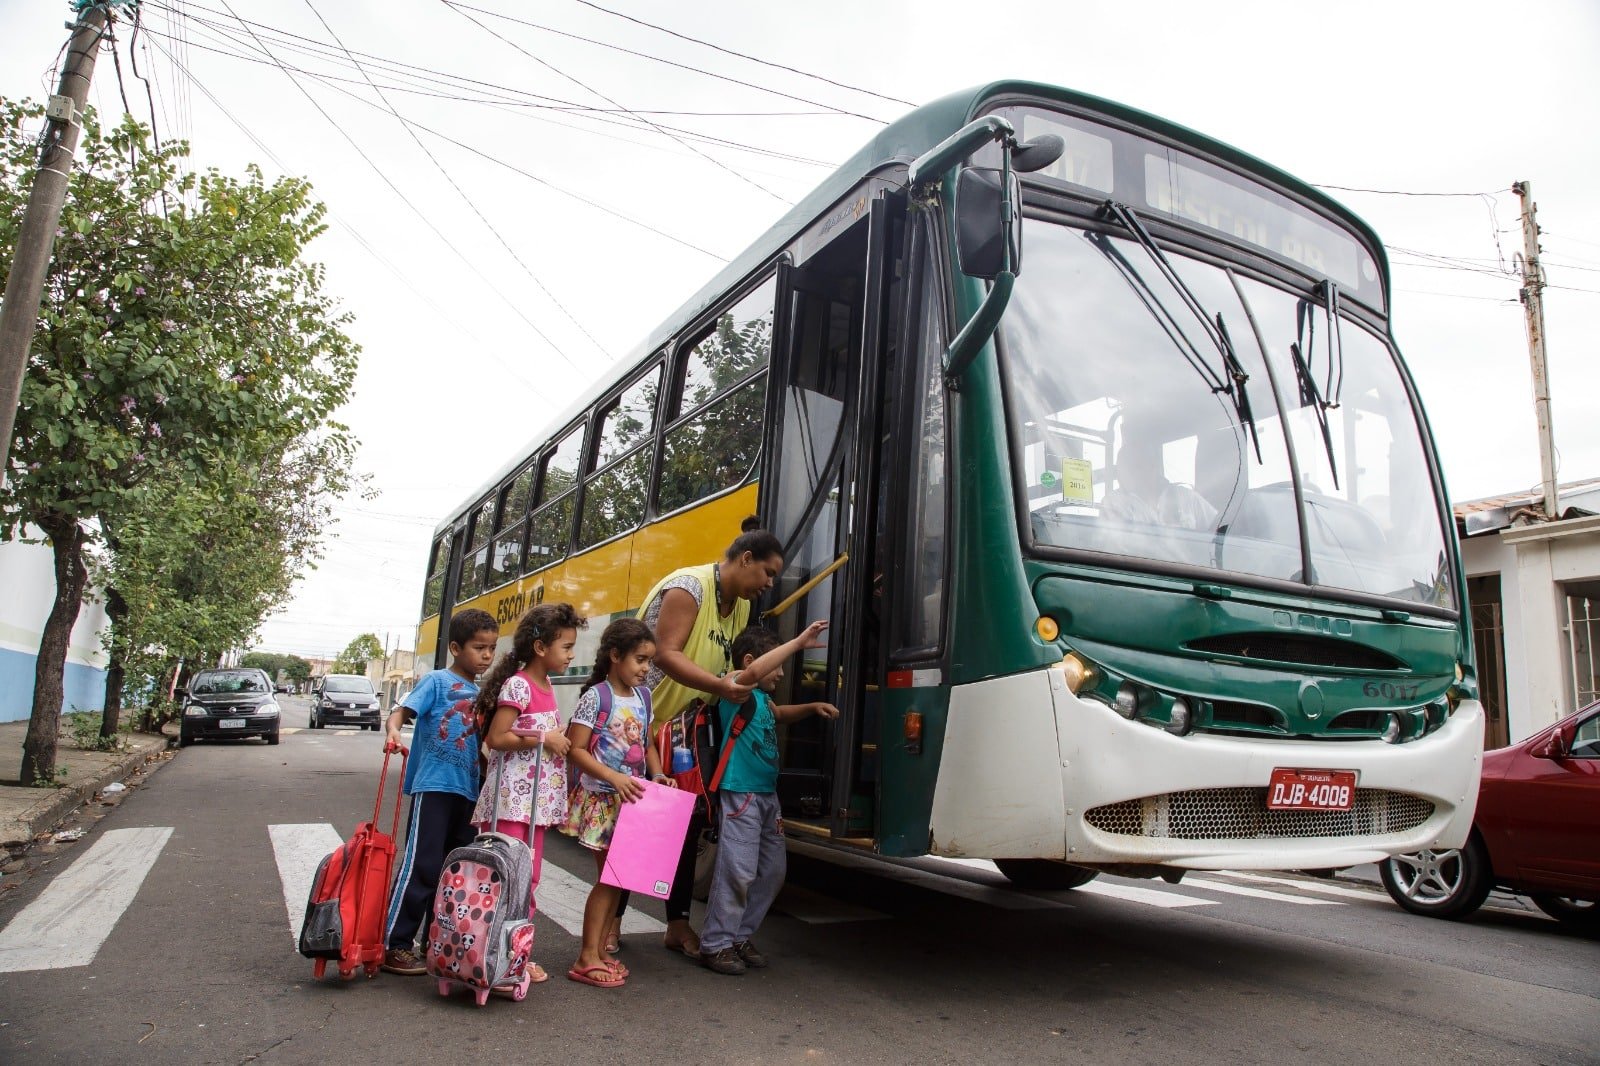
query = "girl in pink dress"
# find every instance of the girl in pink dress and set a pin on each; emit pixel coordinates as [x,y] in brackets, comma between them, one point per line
[527,745]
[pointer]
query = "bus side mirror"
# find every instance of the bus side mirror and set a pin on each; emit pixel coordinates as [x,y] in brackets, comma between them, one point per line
[986,219]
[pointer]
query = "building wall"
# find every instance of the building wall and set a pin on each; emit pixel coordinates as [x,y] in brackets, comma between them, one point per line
[1539,566]
[27,589]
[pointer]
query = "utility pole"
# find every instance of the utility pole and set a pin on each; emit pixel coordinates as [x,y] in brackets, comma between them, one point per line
[1533,310]
[19,313]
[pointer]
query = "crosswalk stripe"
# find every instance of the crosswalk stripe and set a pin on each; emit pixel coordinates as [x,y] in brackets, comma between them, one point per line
[925,878]
[1319,887]
[561,897]
[1255,893]
[66,924]
[1150,897]
[298,849]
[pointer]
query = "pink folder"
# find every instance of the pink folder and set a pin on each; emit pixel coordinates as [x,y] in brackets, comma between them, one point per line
[648,840]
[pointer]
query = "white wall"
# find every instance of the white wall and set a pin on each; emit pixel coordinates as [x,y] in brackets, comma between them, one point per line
[27,590]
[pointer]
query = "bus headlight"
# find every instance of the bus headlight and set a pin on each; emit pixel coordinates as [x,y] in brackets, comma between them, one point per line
[1180,719]
[1391,732]
[1077,673]
[1127,700]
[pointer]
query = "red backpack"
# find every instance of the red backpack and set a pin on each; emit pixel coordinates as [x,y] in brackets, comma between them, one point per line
[690,742]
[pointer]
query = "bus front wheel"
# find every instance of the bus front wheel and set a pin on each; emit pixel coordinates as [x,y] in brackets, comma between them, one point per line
[1044,873]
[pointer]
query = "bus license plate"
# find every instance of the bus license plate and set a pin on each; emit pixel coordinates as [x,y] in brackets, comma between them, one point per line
[232,723]
[1311,790]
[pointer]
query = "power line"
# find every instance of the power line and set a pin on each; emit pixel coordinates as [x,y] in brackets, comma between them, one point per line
[556,70]
[1400,192]
[425,220]
[360,239]
[474,207]
[667,62]
[741,55]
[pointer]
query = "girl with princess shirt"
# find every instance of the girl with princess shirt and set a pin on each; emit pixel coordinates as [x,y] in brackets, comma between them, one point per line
[604,743]
[527,746]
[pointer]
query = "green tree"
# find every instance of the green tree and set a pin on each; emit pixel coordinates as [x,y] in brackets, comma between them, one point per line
[357,653]
[290,668]
[177,346]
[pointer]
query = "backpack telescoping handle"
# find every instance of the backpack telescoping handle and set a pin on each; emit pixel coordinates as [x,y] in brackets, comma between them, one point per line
[399,793]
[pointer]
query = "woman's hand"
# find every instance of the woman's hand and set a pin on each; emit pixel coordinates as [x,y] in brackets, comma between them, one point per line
[730,689]
[556,743]
[627,786]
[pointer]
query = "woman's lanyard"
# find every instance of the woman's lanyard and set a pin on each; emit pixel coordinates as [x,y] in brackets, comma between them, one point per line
[716,582]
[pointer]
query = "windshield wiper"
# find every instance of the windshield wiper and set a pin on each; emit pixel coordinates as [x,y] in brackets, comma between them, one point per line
[1320,402]
[1216,330]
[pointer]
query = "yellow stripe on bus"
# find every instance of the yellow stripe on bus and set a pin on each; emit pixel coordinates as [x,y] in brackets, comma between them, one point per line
[614,577]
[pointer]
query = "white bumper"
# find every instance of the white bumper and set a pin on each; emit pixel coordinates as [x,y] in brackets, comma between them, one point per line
[1025,762]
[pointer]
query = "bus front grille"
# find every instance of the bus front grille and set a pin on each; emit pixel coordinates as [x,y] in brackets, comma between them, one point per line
[1242,814]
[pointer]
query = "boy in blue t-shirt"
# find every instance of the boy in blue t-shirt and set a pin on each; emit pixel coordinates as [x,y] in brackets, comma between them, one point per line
[441,779]
[751,861]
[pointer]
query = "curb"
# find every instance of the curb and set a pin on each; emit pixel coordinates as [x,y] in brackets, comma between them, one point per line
[45,816]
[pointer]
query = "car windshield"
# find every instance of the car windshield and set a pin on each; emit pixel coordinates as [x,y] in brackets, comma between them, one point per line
[1128,448]
[348,684]
[224,683]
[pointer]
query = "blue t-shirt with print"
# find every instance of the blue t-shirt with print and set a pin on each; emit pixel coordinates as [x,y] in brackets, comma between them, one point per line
[753,762]
[444,746]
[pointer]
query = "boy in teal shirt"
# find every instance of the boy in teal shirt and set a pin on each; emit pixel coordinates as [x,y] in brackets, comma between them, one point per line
[751,860]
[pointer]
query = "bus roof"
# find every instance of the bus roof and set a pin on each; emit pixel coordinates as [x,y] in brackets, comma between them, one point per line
[898,143]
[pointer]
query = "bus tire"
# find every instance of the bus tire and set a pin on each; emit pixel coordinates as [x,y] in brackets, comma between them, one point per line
[1044,873]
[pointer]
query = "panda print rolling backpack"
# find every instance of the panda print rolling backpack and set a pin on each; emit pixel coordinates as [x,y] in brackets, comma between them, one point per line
[480,935]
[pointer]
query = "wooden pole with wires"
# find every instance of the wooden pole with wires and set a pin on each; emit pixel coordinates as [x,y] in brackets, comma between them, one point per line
[1533,309]
[19,313]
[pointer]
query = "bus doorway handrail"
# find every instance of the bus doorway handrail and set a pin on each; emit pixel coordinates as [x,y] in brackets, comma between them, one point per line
[812,582]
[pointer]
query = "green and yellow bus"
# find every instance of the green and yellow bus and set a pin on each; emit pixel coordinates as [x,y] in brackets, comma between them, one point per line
[1147,559]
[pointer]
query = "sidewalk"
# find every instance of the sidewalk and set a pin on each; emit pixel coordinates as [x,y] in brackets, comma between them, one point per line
[27,812]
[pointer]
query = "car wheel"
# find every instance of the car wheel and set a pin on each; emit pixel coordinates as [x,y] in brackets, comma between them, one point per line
[1580,914]
[184,740]
[272,737]
[1440,884]
[1044,873]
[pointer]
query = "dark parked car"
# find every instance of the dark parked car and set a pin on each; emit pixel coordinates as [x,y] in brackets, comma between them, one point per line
[346,699]
[1536,832]
[229,703]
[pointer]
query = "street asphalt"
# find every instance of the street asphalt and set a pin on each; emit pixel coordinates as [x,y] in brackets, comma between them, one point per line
[925,961]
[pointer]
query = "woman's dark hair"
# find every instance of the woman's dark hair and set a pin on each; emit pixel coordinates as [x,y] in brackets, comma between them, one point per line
[543,623]
[621,636]
[760,543]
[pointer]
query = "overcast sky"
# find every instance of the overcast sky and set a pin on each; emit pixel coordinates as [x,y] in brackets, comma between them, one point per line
[486,295]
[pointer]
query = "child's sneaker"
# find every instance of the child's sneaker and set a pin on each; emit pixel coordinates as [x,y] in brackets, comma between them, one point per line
[750,954]
[725,961]
[403,961]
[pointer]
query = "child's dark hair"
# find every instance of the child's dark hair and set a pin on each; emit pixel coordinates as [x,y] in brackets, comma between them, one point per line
[621,636]
[760,543]
[755,641]
[468,624]
[544,623]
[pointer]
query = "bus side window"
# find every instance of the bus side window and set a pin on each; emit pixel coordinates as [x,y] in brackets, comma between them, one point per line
[550,525]
[614,496]
[433,588]
[715,436]
[476,563]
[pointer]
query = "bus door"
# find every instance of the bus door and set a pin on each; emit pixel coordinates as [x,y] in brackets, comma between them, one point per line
[447,604]
[817,498]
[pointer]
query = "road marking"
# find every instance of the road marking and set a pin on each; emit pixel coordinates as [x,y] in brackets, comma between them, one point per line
[925,878]
[1318,887]
[561,897]
[814,908]
[1150,897]
[289,730]
[298,849]
[66,924]
[1255,893]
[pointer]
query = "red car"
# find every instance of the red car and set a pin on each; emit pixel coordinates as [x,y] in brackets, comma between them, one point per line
[1536,832]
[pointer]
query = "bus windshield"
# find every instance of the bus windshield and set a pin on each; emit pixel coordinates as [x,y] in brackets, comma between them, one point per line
[1129,447]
